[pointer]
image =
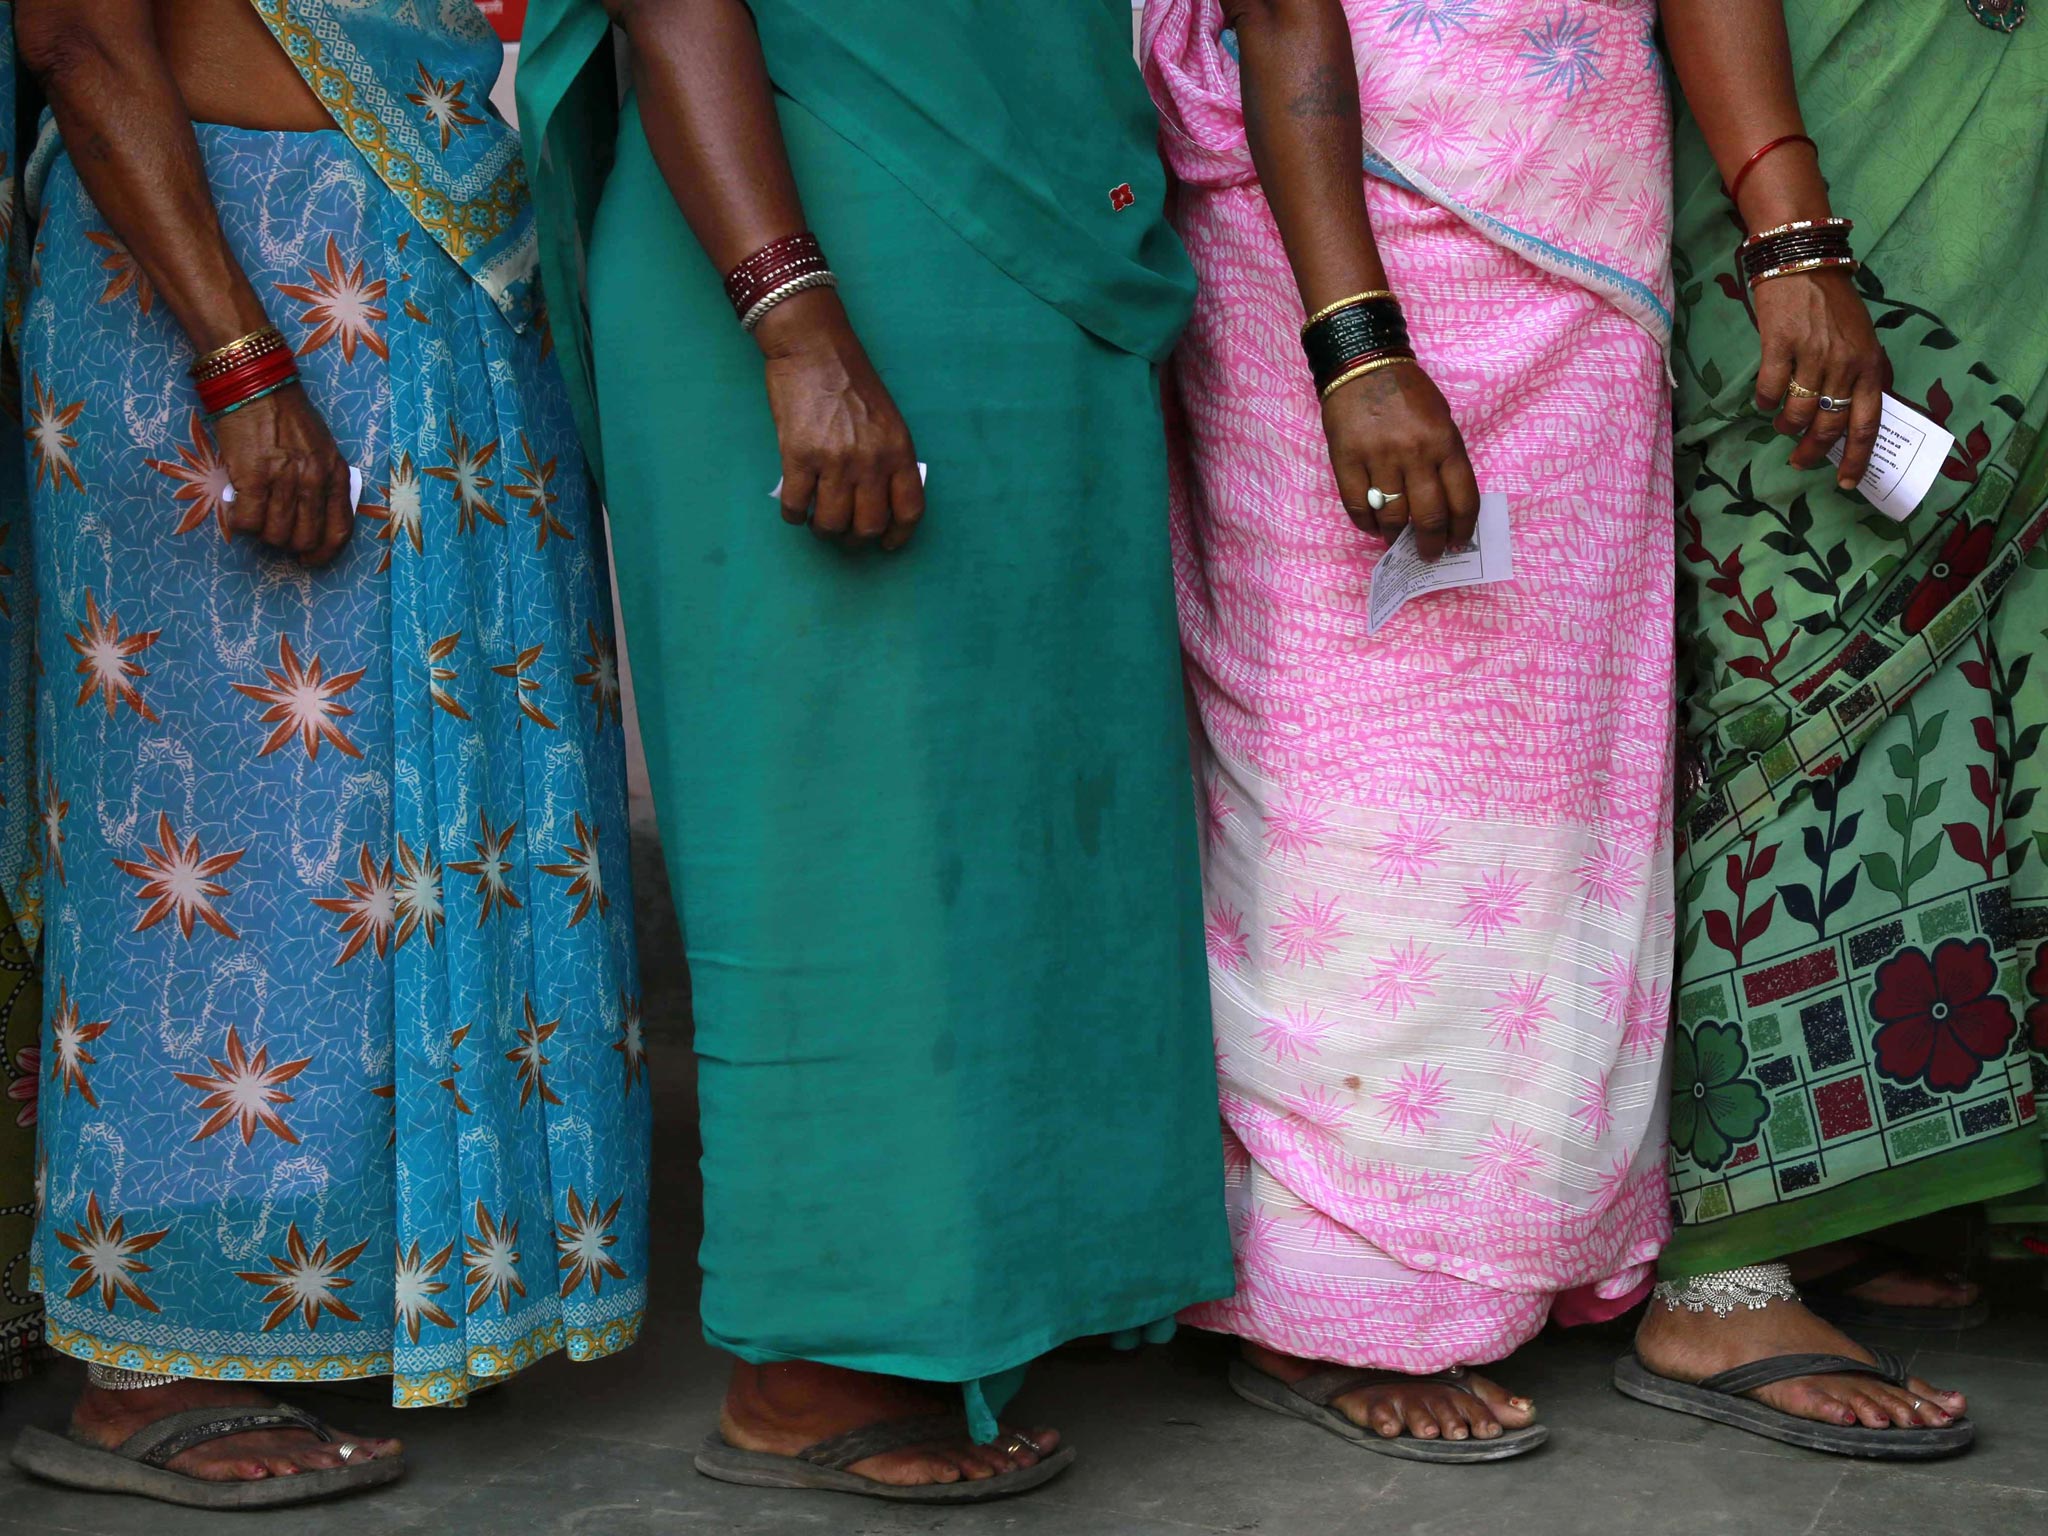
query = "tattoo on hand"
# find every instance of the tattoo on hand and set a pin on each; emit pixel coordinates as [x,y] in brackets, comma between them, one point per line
[1330,92]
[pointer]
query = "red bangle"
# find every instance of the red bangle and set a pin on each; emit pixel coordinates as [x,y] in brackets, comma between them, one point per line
[1735,187]
[775,264]
[246,380]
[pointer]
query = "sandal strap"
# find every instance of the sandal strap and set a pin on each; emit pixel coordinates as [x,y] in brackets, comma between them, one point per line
[159,1443]
[842,1451]
[1763,1373]
[1324,1387]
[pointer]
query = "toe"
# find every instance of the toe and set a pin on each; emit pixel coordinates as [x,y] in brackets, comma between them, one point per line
[1422,1423]
[1953,1403]
[1478,1417]
[1386,1421]
[1508,1411]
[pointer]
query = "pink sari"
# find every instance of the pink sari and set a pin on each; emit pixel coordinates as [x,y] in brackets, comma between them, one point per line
[1437,861]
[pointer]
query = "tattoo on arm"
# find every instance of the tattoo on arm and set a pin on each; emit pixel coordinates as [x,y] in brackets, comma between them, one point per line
[1329,92]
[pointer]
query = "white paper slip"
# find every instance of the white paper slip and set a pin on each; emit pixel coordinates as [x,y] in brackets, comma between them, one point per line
[1403,574]
[355,490]
[776,494]
[1909,454]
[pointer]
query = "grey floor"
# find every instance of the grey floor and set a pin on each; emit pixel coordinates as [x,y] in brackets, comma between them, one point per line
[604,1449]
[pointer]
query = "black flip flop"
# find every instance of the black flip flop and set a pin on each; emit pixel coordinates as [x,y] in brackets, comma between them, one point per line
[137,1465]
[1310,1398]
[1720,1398]
[1828,1296]
[823,1466]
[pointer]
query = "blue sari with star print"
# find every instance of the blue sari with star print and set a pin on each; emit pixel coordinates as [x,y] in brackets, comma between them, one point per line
[342,1068]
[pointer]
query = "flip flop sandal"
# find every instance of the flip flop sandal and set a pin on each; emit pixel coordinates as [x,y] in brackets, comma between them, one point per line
[1829,1297]
[823,1466]
[1720,1398]
[137,1465]
[1310,1398]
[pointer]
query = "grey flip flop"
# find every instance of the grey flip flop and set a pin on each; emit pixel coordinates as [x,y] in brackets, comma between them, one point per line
[823,1466]
[1720,1398]
[137,1465]
[1311,1397]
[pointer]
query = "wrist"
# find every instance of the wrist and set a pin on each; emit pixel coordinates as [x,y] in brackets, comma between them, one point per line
[801,322]
[1780,194]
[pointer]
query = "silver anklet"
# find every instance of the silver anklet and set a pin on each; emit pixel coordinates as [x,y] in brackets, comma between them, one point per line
[111,1378]
[1754,1286]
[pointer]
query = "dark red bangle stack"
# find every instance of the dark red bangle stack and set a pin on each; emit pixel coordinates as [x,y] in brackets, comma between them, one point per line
[773,267]
[257,365]
[1801,246]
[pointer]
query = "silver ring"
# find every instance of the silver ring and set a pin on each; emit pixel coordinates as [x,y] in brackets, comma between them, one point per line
[1378,499]
[346,1450]
[1917,1404]
[1019,1441]
[1830,403]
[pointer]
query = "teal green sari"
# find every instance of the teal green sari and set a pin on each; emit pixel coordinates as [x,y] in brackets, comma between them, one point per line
[929,816]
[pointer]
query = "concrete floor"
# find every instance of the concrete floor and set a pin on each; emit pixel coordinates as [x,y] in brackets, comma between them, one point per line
[603,1450]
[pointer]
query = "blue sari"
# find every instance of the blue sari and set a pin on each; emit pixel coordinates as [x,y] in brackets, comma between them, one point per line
[343,1059]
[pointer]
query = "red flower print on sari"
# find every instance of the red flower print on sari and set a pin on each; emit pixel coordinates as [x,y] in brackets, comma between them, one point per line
[1941,1019]
[2037,1010]
[1963,558]
[178,878]
[341,306]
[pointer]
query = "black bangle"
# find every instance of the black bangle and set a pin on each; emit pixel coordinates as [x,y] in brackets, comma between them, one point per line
[1350,331]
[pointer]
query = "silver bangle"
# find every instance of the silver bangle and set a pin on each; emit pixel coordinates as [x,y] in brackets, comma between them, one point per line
[111,1378]
[788,290]
[1754,1286]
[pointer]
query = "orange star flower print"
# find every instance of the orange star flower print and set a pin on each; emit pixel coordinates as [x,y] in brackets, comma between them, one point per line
[343,1072]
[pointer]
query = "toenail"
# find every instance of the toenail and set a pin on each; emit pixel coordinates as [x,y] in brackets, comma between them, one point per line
[1522,1403]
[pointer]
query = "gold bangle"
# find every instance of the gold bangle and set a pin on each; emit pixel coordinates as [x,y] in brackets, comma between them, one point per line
[1357,298]
[1849,262]
[1362,370]
[1799,224]
[255,344]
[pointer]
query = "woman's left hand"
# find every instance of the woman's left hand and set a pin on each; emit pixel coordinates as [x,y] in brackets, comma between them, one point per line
[1817,334]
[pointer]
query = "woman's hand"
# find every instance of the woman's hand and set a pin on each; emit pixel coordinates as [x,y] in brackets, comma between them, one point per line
[291,482]
[1392,430]
[1817,333]
[848,466]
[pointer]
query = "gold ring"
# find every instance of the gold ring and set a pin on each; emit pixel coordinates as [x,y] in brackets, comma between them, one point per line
[1798,391]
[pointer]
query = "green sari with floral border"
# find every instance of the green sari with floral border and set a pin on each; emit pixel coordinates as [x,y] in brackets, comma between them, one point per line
[1863,1003]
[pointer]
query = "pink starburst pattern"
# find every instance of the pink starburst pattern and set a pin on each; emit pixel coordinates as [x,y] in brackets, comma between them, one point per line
[1520,1012]
[1506,1155]
[1607,878]
[1297,824]
[1649,1019]
[1319,1108]
[1492,906]
[1615,1181]
[1254,1230]
[1308,930]
[1404,978]
[1217,811]
[1411,850]
[1592,1110]
[1616,985]
[1518,155]
[106,660]
[1644,219]
[1440,125]
[341,306]
[177,879]
[1586,187]
[1224,935]
[201,477]
[1294,1032]
[303,702]
[1414,1101]
[1235,1158]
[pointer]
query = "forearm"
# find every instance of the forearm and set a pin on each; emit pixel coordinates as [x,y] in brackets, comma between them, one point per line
[131,142]
[709,112]
[1735,66]
[1300,88]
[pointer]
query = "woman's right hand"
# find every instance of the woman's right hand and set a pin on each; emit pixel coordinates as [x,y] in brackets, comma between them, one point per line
[848,465]
[1392,430]
[291,482]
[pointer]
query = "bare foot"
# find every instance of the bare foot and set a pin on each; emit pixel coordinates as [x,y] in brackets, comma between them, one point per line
[1691,1346]
[786,1408]
[1424,1409]
[1905,1285]
[108,1418]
